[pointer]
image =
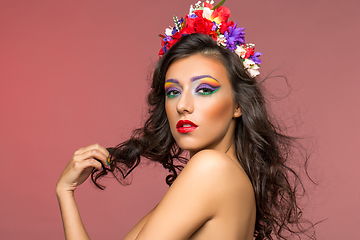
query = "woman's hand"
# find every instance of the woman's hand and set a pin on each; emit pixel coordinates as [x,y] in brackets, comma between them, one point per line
[75,173]
[81,166]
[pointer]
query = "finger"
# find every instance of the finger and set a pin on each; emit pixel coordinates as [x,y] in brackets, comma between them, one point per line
[93,146]
[89,162]
[92,153]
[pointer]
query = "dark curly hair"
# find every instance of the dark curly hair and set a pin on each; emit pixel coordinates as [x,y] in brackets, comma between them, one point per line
[262,149]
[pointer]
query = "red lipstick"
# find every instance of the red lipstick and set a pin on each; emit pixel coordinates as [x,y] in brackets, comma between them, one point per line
[185,126]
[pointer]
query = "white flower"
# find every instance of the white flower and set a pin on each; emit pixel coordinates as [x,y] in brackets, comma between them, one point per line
[221,40]
[197,5]
[176,21]
[248,63]
[253,72]
[251,67]
[191,10]
[168,31]
[250,45]
[240,51]
[207,13]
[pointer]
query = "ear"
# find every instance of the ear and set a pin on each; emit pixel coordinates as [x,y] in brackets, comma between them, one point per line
[237,112]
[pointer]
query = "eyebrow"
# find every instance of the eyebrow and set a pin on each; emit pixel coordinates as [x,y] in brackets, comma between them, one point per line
[193,79]
[172,80]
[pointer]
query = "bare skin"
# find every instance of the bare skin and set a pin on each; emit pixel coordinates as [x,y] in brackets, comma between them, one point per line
[224,207]
[75,173]
[212,198]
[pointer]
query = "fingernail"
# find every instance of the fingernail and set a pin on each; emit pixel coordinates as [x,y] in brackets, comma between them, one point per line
[108,161]
[102,169]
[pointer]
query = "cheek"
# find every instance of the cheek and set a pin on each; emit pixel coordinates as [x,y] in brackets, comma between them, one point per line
[219,110]
[170,110]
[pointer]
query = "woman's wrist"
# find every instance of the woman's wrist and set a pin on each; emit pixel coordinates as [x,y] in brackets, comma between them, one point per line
[73,226]
[60,192]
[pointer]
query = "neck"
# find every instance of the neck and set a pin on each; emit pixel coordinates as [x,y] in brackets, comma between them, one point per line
[226,145]
[228,150]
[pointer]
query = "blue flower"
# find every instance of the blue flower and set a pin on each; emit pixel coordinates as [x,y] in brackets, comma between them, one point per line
[174,31]
[234,36]
[255,58]
[166,39]
[214,27]
[193,15]
[165,47]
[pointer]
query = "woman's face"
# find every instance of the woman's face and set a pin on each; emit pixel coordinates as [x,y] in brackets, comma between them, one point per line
[199,104]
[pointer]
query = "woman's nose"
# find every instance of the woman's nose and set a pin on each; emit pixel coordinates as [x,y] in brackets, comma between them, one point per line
[185,103]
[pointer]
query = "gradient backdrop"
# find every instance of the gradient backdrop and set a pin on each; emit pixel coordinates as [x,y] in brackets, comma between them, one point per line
[75,72]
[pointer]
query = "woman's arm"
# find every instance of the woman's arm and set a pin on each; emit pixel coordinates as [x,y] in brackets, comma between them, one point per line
[73,226]
[75,173]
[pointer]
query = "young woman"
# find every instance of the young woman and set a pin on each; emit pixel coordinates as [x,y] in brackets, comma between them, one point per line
[203,100]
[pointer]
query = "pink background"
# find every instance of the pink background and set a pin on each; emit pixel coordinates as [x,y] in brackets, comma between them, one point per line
[75,72]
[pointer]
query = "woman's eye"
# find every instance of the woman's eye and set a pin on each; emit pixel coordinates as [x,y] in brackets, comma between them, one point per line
[172,92]
[206,89]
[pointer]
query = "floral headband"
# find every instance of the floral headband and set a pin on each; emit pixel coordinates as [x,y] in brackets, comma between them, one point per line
[213,21]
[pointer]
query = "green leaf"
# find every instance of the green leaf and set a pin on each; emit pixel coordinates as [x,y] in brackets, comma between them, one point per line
[219,4]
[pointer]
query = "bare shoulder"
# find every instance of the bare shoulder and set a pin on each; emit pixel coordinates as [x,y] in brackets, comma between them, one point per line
[211,185]
[219,172]
[217,165]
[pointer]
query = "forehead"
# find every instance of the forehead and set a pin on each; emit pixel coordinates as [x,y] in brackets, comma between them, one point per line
[188,68]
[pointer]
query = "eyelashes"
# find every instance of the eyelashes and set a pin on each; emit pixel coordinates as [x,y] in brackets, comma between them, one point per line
[206,89]
[202,89]
[172,92]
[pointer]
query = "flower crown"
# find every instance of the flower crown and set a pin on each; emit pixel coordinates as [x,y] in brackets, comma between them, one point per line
[213,21]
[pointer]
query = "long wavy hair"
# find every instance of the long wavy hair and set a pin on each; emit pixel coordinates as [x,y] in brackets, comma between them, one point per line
[262,149]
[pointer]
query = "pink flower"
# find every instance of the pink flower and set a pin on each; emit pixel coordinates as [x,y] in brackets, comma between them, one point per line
[251,68]
[221,40]
[240,51]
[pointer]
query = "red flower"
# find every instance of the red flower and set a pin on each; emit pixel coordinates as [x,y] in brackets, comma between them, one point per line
[199,13]
[199,25]
[249,52]
[175,38]
[219,15]
[161,52]
[225,26]
[208,5]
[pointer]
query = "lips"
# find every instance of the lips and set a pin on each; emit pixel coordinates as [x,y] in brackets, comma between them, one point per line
[185,126]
